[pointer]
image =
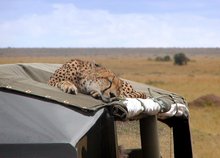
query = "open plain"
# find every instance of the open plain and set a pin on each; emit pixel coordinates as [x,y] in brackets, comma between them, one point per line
[200,77]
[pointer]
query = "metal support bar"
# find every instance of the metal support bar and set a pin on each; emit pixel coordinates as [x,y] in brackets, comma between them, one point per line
[182,139]
[149,137]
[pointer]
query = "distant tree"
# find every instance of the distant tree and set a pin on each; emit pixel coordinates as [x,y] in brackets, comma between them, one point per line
[158,59]
[165,58]
[180,59]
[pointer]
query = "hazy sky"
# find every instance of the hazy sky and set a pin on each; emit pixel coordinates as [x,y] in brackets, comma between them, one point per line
[109,23]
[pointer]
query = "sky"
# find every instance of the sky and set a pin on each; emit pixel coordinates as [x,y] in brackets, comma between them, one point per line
[109,23]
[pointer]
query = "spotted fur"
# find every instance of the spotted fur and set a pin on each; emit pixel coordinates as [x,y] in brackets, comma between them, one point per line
[93,79]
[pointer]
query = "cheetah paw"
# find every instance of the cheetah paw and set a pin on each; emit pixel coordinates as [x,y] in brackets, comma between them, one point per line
[67,87]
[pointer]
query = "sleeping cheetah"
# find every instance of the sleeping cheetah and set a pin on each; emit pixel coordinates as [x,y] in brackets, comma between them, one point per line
[93,79]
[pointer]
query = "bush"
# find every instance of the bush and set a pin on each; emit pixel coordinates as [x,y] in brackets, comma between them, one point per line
[180,59]
[158,59]
[165,58]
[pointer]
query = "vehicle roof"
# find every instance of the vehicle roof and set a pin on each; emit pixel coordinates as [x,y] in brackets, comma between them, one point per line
[31,79]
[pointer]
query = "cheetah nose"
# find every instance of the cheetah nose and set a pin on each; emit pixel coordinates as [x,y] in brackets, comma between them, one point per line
[112,95]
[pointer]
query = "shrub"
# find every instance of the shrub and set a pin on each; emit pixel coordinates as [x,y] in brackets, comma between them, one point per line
[180,59]
[158,59]
[165,58]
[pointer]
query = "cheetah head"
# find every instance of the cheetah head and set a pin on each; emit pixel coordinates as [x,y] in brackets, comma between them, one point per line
[111,91]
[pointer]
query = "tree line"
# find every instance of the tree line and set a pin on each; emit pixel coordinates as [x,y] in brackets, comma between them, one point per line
[178,59]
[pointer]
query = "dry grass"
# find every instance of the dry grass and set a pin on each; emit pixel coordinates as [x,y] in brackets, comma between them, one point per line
[199,77]
[205,131]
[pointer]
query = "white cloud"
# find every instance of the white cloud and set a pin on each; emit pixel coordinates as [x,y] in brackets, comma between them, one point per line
[69,26]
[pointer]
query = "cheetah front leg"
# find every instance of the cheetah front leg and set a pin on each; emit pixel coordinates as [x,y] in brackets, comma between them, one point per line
[67,87]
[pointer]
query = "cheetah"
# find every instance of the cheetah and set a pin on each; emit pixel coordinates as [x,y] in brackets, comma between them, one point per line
[92,79]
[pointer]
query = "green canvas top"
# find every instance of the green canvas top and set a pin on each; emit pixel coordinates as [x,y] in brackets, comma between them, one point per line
[31,79]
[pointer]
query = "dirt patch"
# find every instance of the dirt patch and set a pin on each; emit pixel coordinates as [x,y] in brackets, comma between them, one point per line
[206,100]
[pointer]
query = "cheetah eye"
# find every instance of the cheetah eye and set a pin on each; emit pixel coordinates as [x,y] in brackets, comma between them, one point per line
[112,95]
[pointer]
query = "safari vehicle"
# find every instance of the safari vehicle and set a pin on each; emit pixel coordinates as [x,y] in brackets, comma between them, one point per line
[40,121]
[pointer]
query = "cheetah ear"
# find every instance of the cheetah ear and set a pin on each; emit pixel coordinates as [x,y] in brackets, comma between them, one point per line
[92,63]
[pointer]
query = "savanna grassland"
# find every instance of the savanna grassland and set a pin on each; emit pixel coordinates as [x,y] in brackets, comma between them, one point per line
[201,76]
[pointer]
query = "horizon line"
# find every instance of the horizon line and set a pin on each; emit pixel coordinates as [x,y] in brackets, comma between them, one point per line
[110,47]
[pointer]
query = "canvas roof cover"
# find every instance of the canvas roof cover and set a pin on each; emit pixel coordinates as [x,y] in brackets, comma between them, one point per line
[31,79]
